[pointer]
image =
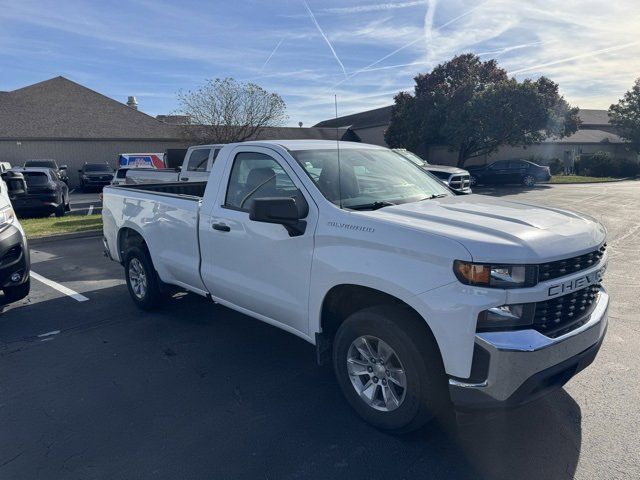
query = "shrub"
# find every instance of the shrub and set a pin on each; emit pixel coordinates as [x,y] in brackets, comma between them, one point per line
[556,167]
[602,164]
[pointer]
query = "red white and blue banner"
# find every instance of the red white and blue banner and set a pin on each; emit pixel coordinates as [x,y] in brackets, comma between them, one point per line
[141,160]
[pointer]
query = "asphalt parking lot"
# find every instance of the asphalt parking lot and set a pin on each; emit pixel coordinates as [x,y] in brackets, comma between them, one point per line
[82,203]
[92,388]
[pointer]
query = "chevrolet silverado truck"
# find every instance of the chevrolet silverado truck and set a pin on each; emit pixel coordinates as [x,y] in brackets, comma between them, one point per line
[195,168]
[420,298]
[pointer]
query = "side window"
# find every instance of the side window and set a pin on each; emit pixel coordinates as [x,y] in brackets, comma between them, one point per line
[198,160]
[516,165]
[256,175]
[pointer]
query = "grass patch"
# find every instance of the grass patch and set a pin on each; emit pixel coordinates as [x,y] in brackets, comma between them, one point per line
[581,179]
[44,227]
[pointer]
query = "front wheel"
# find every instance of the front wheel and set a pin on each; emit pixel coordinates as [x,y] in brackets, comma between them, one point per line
[389,368]
[528,180]
[142,279]
[473,180]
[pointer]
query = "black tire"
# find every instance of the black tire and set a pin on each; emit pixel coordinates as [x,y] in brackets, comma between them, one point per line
[426,394]
[528,180]
[60,210]
[13,294]
[152,296]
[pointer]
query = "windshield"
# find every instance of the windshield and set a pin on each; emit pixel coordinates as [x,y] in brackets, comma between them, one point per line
[35,179]
[97,168]
[41,163]
[368,177]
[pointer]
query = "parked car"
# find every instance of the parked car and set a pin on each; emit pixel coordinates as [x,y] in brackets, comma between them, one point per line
[95,175]
[509,172]
[14,251]
[195,168]
[119,178]
[46,193]
[52,164]
[419,297]
[455,178]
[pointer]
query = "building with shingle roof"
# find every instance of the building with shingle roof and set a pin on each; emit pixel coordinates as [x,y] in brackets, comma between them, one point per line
[66,121]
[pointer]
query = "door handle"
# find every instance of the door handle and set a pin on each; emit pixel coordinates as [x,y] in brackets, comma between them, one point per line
[184,179]
[221,227]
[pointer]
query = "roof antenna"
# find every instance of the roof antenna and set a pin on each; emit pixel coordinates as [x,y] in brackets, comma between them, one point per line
[335,98]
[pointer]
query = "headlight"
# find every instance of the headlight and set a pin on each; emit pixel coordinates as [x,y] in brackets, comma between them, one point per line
[496,276]
[506,317]
[7,216]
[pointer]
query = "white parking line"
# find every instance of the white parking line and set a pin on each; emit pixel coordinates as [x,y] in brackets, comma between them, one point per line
[61,288]
[90,210]
[48,334]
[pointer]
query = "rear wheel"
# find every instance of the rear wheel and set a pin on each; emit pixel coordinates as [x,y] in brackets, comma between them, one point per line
[528,180]
[389,368]
[142,279]
[60,210]
[13,294]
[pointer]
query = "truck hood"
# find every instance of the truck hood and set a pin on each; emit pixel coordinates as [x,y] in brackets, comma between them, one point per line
[445,169]
[495,230]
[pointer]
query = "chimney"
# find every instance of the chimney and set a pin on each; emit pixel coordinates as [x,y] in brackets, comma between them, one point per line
[132,102]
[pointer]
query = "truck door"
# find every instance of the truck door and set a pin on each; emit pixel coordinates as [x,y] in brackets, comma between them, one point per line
[258,266]
[196,165]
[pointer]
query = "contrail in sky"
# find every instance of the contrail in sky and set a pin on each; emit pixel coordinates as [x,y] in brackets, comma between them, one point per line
[372,7]
[413,42]
[272,54]
[575,57]
[313,18]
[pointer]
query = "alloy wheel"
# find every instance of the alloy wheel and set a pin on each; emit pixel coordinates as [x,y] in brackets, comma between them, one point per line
[376,373]
[137,278]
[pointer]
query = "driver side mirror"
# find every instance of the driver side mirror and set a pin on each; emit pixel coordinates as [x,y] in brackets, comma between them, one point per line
[62,167]
[279,210]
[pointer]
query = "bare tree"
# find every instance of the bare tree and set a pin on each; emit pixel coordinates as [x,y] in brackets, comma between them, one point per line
[226,111]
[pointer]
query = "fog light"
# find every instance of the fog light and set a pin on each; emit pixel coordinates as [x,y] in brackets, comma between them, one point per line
[15,277]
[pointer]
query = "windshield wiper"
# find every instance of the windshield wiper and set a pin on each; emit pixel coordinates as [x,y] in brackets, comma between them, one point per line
[372,205]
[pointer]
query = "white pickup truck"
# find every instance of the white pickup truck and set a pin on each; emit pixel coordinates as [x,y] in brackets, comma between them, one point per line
[195,168]
[421,298]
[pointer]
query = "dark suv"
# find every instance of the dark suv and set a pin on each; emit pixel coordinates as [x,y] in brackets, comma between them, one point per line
[53,165]
[509,171]
[95,175]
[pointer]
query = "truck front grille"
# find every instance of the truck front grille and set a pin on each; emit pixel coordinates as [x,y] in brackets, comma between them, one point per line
[556,317]
[560,268]
[459,182]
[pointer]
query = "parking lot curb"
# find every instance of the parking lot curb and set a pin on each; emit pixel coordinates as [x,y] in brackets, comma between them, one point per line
[34,242]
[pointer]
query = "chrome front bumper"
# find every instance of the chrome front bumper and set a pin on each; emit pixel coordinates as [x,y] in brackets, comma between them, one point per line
[525,364]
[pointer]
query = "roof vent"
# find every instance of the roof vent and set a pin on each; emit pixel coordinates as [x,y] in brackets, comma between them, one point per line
[132,102]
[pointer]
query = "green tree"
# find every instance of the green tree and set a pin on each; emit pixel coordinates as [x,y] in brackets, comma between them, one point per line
[473,107]
[625,115]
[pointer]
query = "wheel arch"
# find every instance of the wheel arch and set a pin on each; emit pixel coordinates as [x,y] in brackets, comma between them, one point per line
[344,299]
[129,236]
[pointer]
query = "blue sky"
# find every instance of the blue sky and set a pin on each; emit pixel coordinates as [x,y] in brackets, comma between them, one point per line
[363,51]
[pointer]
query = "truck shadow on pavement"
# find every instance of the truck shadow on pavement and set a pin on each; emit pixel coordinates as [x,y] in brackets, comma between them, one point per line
[196,390]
